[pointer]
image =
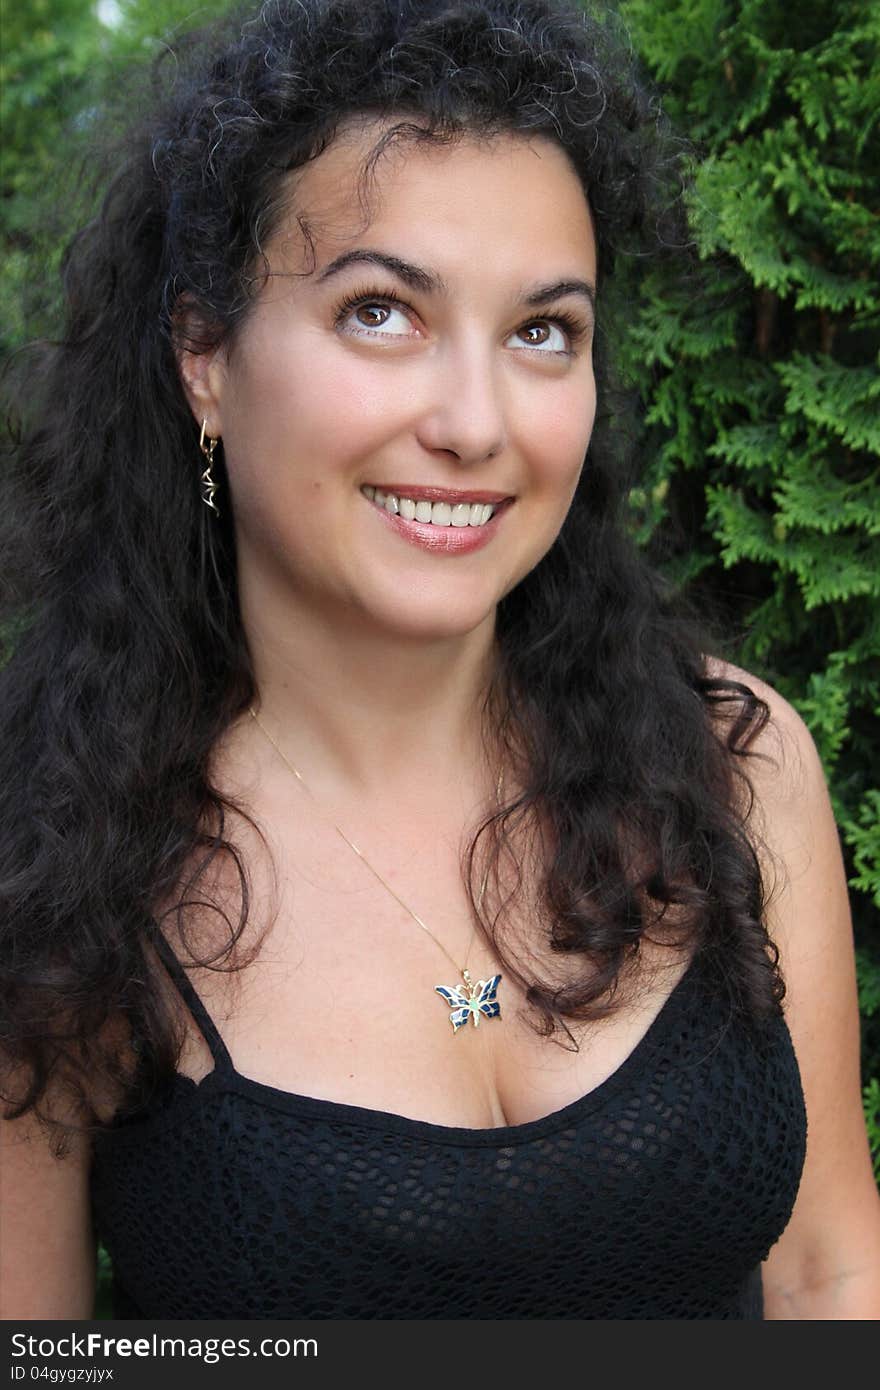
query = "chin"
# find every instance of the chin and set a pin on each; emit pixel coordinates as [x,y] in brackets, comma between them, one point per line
[435,622]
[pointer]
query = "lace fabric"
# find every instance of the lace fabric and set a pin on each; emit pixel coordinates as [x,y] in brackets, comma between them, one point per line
[656,1195]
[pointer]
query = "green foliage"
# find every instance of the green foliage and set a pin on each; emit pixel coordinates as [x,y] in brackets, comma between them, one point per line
[103,1287]
[863,837]
[871,1101]
[868,969]
[759,370]
[48,53]
[59,65]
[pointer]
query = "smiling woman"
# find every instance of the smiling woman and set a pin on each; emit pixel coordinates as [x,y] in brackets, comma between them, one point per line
[389,860]
[429,383]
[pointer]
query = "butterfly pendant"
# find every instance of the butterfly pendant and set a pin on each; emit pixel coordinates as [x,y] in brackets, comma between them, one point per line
[464,1005]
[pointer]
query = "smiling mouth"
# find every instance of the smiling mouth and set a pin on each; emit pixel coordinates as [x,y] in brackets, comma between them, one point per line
[433,512]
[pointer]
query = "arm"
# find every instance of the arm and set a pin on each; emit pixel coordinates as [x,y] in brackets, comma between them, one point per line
[47,1249]
[826,1265]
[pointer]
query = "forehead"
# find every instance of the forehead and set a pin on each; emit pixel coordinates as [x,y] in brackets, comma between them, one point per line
[515,201]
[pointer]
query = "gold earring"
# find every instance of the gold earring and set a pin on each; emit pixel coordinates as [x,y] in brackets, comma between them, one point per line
[209,487]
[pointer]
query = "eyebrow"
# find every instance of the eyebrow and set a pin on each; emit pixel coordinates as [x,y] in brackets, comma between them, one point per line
[429,282]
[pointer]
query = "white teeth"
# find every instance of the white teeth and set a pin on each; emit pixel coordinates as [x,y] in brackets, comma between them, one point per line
[437,513]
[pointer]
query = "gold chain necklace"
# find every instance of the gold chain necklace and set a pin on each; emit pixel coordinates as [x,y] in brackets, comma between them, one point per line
[477,999]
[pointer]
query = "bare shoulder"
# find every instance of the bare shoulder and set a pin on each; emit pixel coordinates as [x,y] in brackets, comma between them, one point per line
[786,764]
[793,826]
[790,817]
[826,1264]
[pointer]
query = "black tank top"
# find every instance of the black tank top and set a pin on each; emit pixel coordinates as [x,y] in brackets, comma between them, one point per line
[656,1195]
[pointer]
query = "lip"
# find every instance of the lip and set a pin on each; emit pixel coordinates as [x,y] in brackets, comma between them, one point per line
[444,540]
[440,494]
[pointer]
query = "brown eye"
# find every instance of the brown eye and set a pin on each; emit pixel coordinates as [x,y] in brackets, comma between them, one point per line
[541,329]
[373,315]
[369,313]
[550,337]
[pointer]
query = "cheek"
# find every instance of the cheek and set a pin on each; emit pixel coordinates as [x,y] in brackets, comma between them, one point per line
[347,409]
[302,415]
[342,415]
[564,439]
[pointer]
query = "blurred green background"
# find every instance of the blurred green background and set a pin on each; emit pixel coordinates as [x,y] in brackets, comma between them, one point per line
[758,369]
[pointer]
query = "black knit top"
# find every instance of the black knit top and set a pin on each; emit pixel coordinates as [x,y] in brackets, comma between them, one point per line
[656,1195]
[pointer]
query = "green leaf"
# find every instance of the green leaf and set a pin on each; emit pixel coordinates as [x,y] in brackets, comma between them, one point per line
[843,400]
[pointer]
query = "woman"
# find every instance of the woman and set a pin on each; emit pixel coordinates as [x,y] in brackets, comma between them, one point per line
[406,901]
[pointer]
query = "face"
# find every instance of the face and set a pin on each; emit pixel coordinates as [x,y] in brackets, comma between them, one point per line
[405,413]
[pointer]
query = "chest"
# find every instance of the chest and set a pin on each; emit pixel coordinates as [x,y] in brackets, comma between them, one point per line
[340,1002]
[656,1195]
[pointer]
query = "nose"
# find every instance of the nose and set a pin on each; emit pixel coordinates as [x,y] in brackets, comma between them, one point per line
[465,417]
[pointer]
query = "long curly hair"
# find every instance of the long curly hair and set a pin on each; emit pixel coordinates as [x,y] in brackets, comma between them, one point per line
[125,656]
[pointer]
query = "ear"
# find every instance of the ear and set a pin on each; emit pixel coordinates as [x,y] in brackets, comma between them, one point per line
[201,364]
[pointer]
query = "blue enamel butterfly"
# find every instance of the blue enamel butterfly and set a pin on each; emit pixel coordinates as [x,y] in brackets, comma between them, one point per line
[463,1006]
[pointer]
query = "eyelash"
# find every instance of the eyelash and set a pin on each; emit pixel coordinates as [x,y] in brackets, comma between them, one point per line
[574,328]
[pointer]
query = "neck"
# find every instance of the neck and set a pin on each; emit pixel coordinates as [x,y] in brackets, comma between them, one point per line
[356,710]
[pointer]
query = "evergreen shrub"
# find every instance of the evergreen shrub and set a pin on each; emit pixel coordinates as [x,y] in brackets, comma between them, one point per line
[759,374]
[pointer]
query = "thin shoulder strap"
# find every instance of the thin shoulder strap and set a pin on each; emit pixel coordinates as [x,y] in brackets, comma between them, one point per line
[222,1059]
